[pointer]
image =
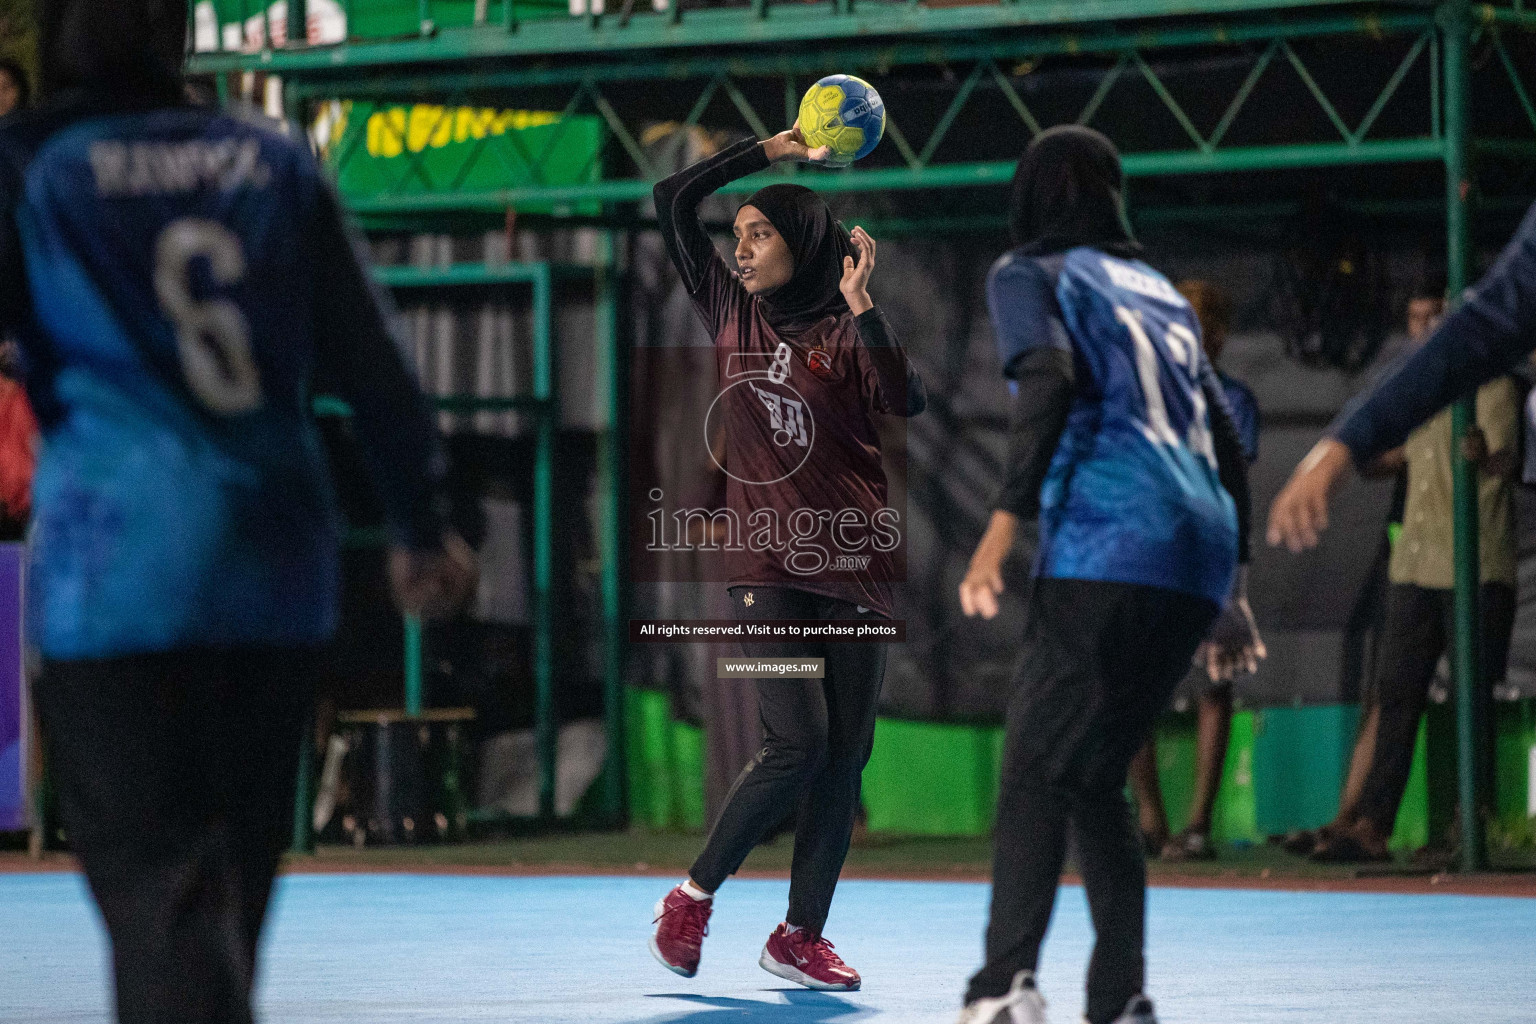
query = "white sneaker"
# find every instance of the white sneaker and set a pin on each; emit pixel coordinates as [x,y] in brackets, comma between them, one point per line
[1022,1005]
[1137,1011]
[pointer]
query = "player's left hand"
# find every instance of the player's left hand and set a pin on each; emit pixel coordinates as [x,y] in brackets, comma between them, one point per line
[1234,644]
[1299,514]
[433,584]
[855,282]
[983,581]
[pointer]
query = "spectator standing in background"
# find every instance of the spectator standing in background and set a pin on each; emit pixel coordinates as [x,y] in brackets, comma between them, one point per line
[1214,312]
[1425,308]
[1421,584]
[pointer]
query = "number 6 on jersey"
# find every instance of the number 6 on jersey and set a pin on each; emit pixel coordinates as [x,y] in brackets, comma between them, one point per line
[212,336]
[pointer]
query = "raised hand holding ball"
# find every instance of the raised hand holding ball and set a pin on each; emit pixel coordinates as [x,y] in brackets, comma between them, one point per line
[846,115]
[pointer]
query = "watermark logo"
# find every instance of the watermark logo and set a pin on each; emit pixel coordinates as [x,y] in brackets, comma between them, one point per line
[807,541]
[790,421]
[752,505]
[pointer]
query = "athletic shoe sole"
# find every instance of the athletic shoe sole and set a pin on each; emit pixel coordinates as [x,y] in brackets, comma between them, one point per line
[656,950]
[794,974]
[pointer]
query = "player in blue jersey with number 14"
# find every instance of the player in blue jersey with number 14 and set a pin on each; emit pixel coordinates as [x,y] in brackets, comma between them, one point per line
[1121,442]
[181,284]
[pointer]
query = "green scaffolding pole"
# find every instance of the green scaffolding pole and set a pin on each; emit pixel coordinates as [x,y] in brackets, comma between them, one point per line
[612,374]
[414,687]
[1456,27]
[546,729]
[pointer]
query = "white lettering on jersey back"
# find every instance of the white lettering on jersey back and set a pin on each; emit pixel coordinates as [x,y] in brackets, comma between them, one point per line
[176,168]
[1133,280]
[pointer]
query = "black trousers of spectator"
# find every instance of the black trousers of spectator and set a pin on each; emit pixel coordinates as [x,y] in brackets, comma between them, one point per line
[817,736]
[1419,625]
[175,774]
[1100,663]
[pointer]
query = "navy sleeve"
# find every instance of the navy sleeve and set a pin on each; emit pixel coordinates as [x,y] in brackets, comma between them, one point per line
[1492,331]
[1021,298]
[1045,378]
[359,358]
[1245,414]
[1231,458]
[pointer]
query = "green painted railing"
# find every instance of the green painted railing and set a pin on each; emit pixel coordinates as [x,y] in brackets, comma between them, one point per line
[542,404]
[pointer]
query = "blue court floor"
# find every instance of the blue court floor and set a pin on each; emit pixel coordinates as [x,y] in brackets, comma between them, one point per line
[390,949]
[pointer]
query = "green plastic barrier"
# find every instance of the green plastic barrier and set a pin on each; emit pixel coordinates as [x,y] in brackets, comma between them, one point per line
[1300,757]
[1284,770]
[932,779]
[1516,739]
[666,764]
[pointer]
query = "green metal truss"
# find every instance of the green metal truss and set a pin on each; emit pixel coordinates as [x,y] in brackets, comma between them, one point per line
[722,83]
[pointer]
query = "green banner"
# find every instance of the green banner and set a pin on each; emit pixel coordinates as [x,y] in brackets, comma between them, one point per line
[390,149]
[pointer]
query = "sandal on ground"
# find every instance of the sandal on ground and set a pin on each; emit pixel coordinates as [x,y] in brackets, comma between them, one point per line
[1189,845]
[1350,847]
[1301,841]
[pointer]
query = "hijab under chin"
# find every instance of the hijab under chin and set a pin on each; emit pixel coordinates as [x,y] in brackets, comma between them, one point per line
[817,245]
[1067,191]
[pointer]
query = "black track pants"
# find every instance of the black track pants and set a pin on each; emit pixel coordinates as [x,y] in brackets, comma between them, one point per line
[1100,662]
[1419,624]
[817,735]
[175,775]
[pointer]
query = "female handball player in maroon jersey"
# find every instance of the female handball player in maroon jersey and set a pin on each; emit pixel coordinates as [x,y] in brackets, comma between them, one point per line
[806,362]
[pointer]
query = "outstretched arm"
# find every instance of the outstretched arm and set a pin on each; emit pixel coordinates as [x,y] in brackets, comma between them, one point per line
[357,355]
[677,207]
[1036,354]
[1492,331]
[1044,379]
[704,273]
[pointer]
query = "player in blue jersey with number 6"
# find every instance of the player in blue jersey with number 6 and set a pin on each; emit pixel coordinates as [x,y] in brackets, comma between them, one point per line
[181,284]
[1121,443]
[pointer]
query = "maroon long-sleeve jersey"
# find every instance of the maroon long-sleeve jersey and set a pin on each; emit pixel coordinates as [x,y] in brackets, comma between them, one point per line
[806,490]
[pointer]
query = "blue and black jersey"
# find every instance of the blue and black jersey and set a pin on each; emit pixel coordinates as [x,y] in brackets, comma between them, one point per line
[180,280]
[1133,493]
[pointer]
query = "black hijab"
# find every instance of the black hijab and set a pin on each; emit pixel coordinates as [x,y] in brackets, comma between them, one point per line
[817,244]
[124,48]
[1067,192]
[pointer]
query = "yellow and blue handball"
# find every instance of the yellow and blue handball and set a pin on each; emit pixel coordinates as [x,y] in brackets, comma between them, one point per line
[845,114]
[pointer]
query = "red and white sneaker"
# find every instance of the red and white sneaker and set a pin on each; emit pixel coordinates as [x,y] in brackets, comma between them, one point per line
[796,956]
[681,924]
